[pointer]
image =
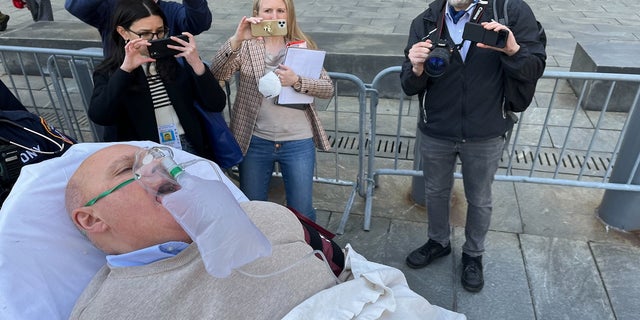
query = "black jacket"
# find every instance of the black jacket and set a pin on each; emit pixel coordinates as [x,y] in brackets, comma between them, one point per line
[124,100]
[466,103]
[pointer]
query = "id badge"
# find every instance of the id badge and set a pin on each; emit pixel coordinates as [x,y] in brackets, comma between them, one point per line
[168,135]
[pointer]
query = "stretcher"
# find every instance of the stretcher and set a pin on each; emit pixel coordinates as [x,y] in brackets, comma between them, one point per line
[45,262]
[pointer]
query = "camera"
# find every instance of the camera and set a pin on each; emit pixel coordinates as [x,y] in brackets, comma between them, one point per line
[438,60]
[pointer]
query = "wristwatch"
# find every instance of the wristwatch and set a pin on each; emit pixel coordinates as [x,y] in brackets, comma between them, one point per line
[298,85]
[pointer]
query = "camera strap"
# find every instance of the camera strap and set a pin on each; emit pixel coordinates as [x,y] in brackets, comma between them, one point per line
[438,28]
[478,11]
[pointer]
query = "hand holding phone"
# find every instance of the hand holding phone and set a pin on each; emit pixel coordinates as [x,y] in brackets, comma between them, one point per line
[158,48]
[269,28]
[477,33]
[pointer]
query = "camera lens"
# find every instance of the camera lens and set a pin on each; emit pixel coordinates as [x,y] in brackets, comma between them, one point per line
[437,62]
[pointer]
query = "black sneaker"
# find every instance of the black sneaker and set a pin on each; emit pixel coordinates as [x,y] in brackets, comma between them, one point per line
[472,278]
[424,255]
[4,19]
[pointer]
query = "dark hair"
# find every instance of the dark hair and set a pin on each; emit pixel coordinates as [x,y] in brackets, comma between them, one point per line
[126,13]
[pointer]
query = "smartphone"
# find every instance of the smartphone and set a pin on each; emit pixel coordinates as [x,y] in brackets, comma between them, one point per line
[158,48]
[477,33]
[269,28]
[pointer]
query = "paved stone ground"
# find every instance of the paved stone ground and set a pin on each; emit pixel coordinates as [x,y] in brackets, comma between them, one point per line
[548,256]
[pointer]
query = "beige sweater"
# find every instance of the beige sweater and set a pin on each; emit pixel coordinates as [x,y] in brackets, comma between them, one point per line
[180,287]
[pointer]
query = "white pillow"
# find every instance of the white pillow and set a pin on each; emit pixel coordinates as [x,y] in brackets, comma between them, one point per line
[45,262]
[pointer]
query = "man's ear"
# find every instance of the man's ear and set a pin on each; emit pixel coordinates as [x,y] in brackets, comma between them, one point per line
[87,221]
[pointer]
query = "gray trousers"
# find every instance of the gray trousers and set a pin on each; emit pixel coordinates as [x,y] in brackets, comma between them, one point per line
[40,10]
[479,161]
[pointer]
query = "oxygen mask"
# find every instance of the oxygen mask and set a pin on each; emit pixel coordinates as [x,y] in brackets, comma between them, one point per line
[157,171]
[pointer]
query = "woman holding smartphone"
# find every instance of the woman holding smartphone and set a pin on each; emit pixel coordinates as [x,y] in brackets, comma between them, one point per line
[268,132]
[141,98]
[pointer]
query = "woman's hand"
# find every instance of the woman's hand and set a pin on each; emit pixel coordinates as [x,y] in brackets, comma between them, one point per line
[135,54]
[286,75]
[243,31]
[189,51]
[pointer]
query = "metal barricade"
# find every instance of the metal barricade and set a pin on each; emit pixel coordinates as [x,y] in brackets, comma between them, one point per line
[343,141]
[557,140]
[55,84]
[543,148]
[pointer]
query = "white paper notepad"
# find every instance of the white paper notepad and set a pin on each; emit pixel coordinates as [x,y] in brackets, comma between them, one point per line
[305,63]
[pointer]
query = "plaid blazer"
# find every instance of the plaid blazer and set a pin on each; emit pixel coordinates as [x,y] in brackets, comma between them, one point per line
[250,61]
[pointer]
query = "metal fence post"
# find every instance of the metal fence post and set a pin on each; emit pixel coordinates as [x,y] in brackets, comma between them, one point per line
[619,208]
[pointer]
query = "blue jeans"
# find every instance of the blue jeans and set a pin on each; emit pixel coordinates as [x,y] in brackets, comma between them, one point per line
[479,161]
[297,159]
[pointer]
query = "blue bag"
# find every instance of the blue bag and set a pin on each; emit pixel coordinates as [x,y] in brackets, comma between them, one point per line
[226,151]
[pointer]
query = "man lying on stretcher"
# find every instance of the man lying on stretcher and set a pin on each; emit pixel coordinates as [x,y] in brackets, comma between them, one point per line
[245,260]
[155,270]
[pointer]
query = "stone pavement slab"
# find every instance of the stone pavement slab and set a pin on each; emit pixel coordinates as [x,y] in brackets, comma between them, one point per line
[618,266]
[565,283]
[506,284]
[565,270]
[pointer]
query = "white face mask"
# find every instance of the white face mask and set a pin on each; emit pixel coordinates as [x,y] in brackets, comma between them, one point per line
[269,85]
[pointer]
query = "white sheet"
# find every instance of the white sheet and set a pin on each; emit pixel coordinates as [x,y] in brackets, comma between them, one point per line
[45,263]
[376,292]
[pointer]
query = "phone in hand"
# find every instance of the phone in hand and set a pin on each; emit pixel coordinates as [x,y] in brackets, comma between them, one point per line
[477,33]
[158,48]
[269,28]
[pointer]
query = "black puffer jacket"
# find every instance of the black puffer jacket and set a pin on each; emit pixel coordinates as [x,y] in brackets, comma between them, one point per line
[466,103]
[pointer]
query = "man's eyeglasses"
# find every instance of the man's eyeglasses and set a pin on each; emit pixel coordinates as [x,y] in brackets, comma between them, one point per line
[108,192]
[150,35]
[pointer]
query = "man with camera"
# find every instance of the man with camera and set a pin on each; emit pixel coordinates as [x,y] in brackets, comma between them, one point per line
[460,84]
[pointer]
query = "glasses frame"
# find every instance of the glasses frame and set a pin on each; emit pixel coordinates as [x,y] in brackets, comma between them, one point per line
[108,192]
[165,33]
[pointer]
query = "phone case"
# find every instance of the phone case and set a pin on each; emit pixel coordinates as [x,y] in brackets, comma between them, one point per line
[476,33]
[269,28]
[158,48]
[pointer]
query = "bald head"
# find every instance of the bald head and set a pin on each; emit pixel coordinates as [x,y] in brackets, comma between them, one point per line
[84,181]
[126,219]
